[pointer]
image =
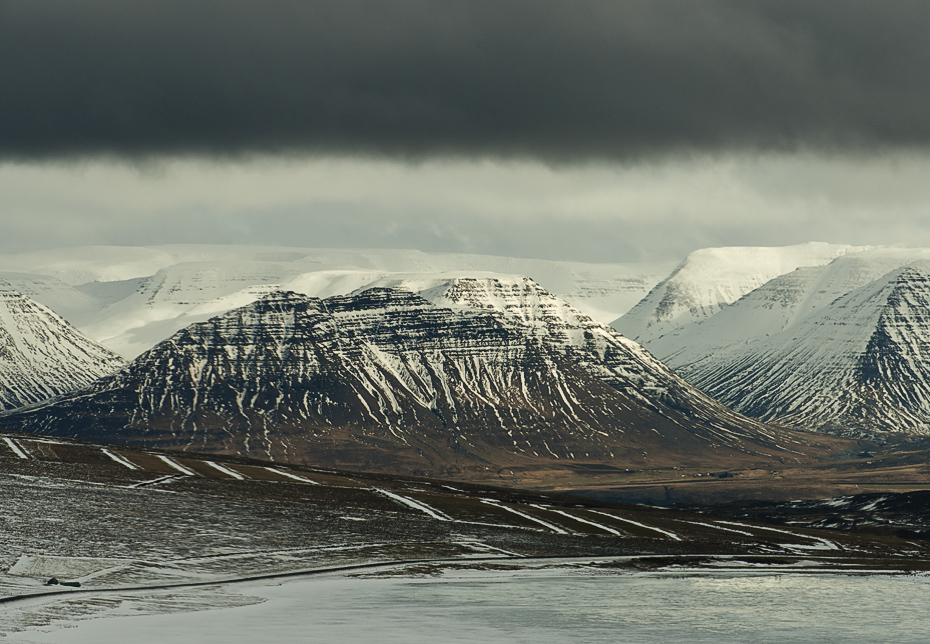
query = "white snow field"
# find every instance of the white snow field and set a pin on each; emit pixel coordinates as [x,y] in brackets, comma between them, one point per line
[525,608]
[712,278]
[130,298]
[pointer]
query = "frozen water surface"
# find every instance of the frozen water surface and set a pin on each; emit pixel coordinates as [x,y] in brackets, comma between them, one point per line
[541,608]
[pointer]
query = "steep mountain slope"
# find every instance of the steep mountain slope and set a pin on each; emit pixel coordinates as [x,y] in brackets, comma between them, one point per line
[131,298]
[41,355]
[774,307]
[859,363]
[712,278]
[386,380]
[605,353]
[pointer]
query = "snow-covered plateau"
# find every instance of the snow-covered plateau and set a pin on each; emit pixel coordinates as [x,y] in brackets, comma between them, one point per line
[130,298]
[710,279]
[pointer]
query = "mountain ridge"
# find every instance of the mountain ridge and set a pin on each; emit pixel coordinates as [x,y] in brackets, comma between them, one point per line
[386,379]
[853,365]
[130,298]
[710,279]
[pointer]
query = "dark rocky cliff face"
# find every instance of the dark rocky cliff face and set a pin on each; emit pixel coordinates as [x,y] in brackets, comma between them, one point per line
[387,380]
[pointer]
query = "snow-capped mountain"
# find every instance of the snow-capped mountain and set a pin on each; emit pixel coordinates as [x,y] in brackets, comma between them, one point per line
[41,355]
[131,298]
[613,358]
[776,306]
[842,348]
[489,374]
[712,278]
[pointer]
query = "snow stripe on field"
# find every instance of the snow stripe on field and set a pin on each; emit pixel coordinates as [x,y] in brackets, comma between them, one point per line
[160,479]
[416,505]
[552,527]
[15,447]
[119,459]
[641,525]
[824,544]
[226,470]
[720,527]
[483,545]
[596,525]
[176,465]
[292,476]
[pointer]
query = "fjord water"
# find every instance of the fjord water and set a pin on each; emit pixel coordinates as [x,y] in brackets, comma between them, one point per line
[485,607]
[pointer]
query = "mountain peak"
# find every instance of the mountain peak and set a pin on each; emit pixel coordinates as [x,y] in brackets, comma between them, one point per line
[41,355]
[853,363]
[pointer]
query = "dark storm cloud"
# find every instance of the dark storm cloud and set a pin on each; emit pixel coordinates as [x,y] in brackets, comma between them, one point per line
[557,80]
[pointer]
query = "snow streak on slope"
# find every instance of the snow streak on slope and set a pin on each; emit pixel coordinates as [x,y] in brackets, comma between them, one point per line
[42,356]
[857,363]
[131,298]
[712,278]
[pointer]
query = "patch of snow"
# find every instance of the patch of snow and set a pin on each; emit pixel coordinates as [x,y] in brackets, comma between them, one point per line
[119,459]
[577,518]
[291,475]
[416,505]
[225,470]
[545,524]
[180,468]
[15,447]
[667,533]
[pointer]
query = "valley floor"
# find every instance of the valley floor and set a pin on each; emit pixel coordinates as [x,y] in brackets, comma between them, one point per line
[213,548]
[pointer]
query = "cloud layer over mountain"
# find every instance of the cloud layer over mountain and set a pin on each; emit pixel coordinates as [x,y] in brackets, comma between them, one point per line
[550,80]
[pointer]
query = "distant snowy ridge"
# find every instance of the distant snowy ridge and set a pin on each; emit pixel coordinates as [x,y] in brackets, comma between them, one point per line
[712,278]
[41,355]
[842,348]
[130,298]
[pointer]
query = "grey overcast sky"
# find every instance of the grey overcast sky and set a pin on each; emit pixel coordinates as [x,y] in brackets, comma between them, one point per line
[583,129]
